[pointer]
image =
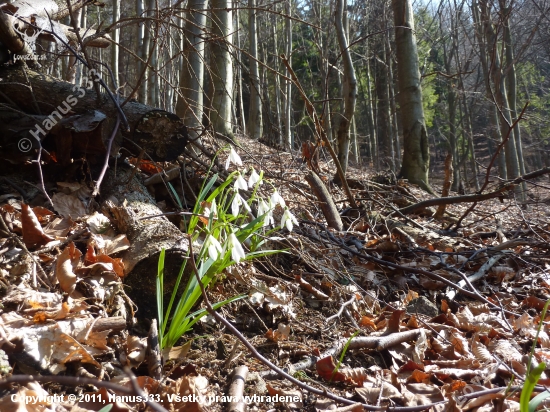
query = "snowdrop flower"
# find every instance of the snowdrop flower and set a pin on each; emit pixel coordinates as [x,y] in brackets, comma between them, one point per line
[211,211]
[237,251]
[214,247]
[238,201]
[264,209]
[240,183]
[253,179]
[289,220]
[276,199]
[233,158]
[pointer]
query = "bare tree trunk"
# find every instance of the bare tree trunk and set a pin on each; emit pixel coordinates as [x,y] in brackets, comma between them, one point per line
[190,104]
[373,140]
[222,67]
[239,70]
[355,142]
[416,153]
[288,84]
[511,83]
[393,127]
[493,116]
[383,154]
[83,25]
[153,79]
[140,28]
[500,97]
[145,53]
[116,39]
[349,89]
[71,73]
[277,82]
[255,121]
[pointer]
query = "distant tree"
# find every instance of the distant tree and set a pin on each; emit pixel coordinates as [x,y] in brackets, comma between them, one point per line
[255,123]
[190,102]
[222,67]
[416,153]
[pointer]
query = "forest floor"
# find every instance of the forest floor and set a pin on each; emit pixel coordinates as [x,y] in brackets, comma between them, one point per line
[397,311]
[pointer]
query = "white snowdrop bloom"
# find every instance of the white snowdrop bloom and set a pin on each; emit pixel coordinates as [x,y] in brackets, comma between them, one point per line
[238,201]
[237,251]
[264,209]
[240,183]
[276,199]
[211,211]
[288,220]
[253,179]
[214,247]
[233,158]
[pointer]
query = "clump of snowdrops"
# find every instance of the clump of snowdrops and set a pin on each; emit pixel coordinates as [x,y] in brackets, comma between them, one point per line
[222,222]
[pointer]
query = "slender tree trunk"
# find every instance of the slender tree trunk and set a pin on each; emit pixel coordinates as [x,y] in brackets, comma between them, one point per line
[493,115]
[153,79]
[71,72]
[277,82]
[115,35]
[83,25]
[190,104]
[511,83]
[222,67]
[288,84]
[255,121]
[140,33]
[393,127]
[355,141]
[416,154]
[239,69]
[373,140]
[349,87]
[145,53]
[384,153]
[500,97]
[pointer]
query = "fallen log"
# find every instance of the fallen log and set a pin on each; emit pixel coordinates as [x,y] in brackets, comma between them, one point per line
[377,343]
[325,201]
[130,206]
[478,197]
[160,133]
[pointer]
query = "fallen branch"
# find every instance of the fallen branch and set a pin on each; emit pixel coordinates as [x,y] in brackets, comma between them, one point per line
[478,197]
[325,201]
[447,181]
[376,343]
[336,315]
[236,390]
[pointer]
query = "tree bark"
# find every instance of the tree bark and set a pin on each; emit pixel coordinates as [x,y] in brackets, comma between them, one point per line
[116,39]
[147,236]
[499,92]
[416,154]
[384,153]
[222,67]
[288,141]
[239,79]
[190,103]
[162,134]
[511,83]
[255,121]
[349,89]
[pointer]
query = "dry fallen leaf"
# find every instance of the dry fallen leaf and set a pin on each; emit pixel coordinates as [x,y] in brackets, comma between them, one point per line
[33,235]
[68,205]
[64,268]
